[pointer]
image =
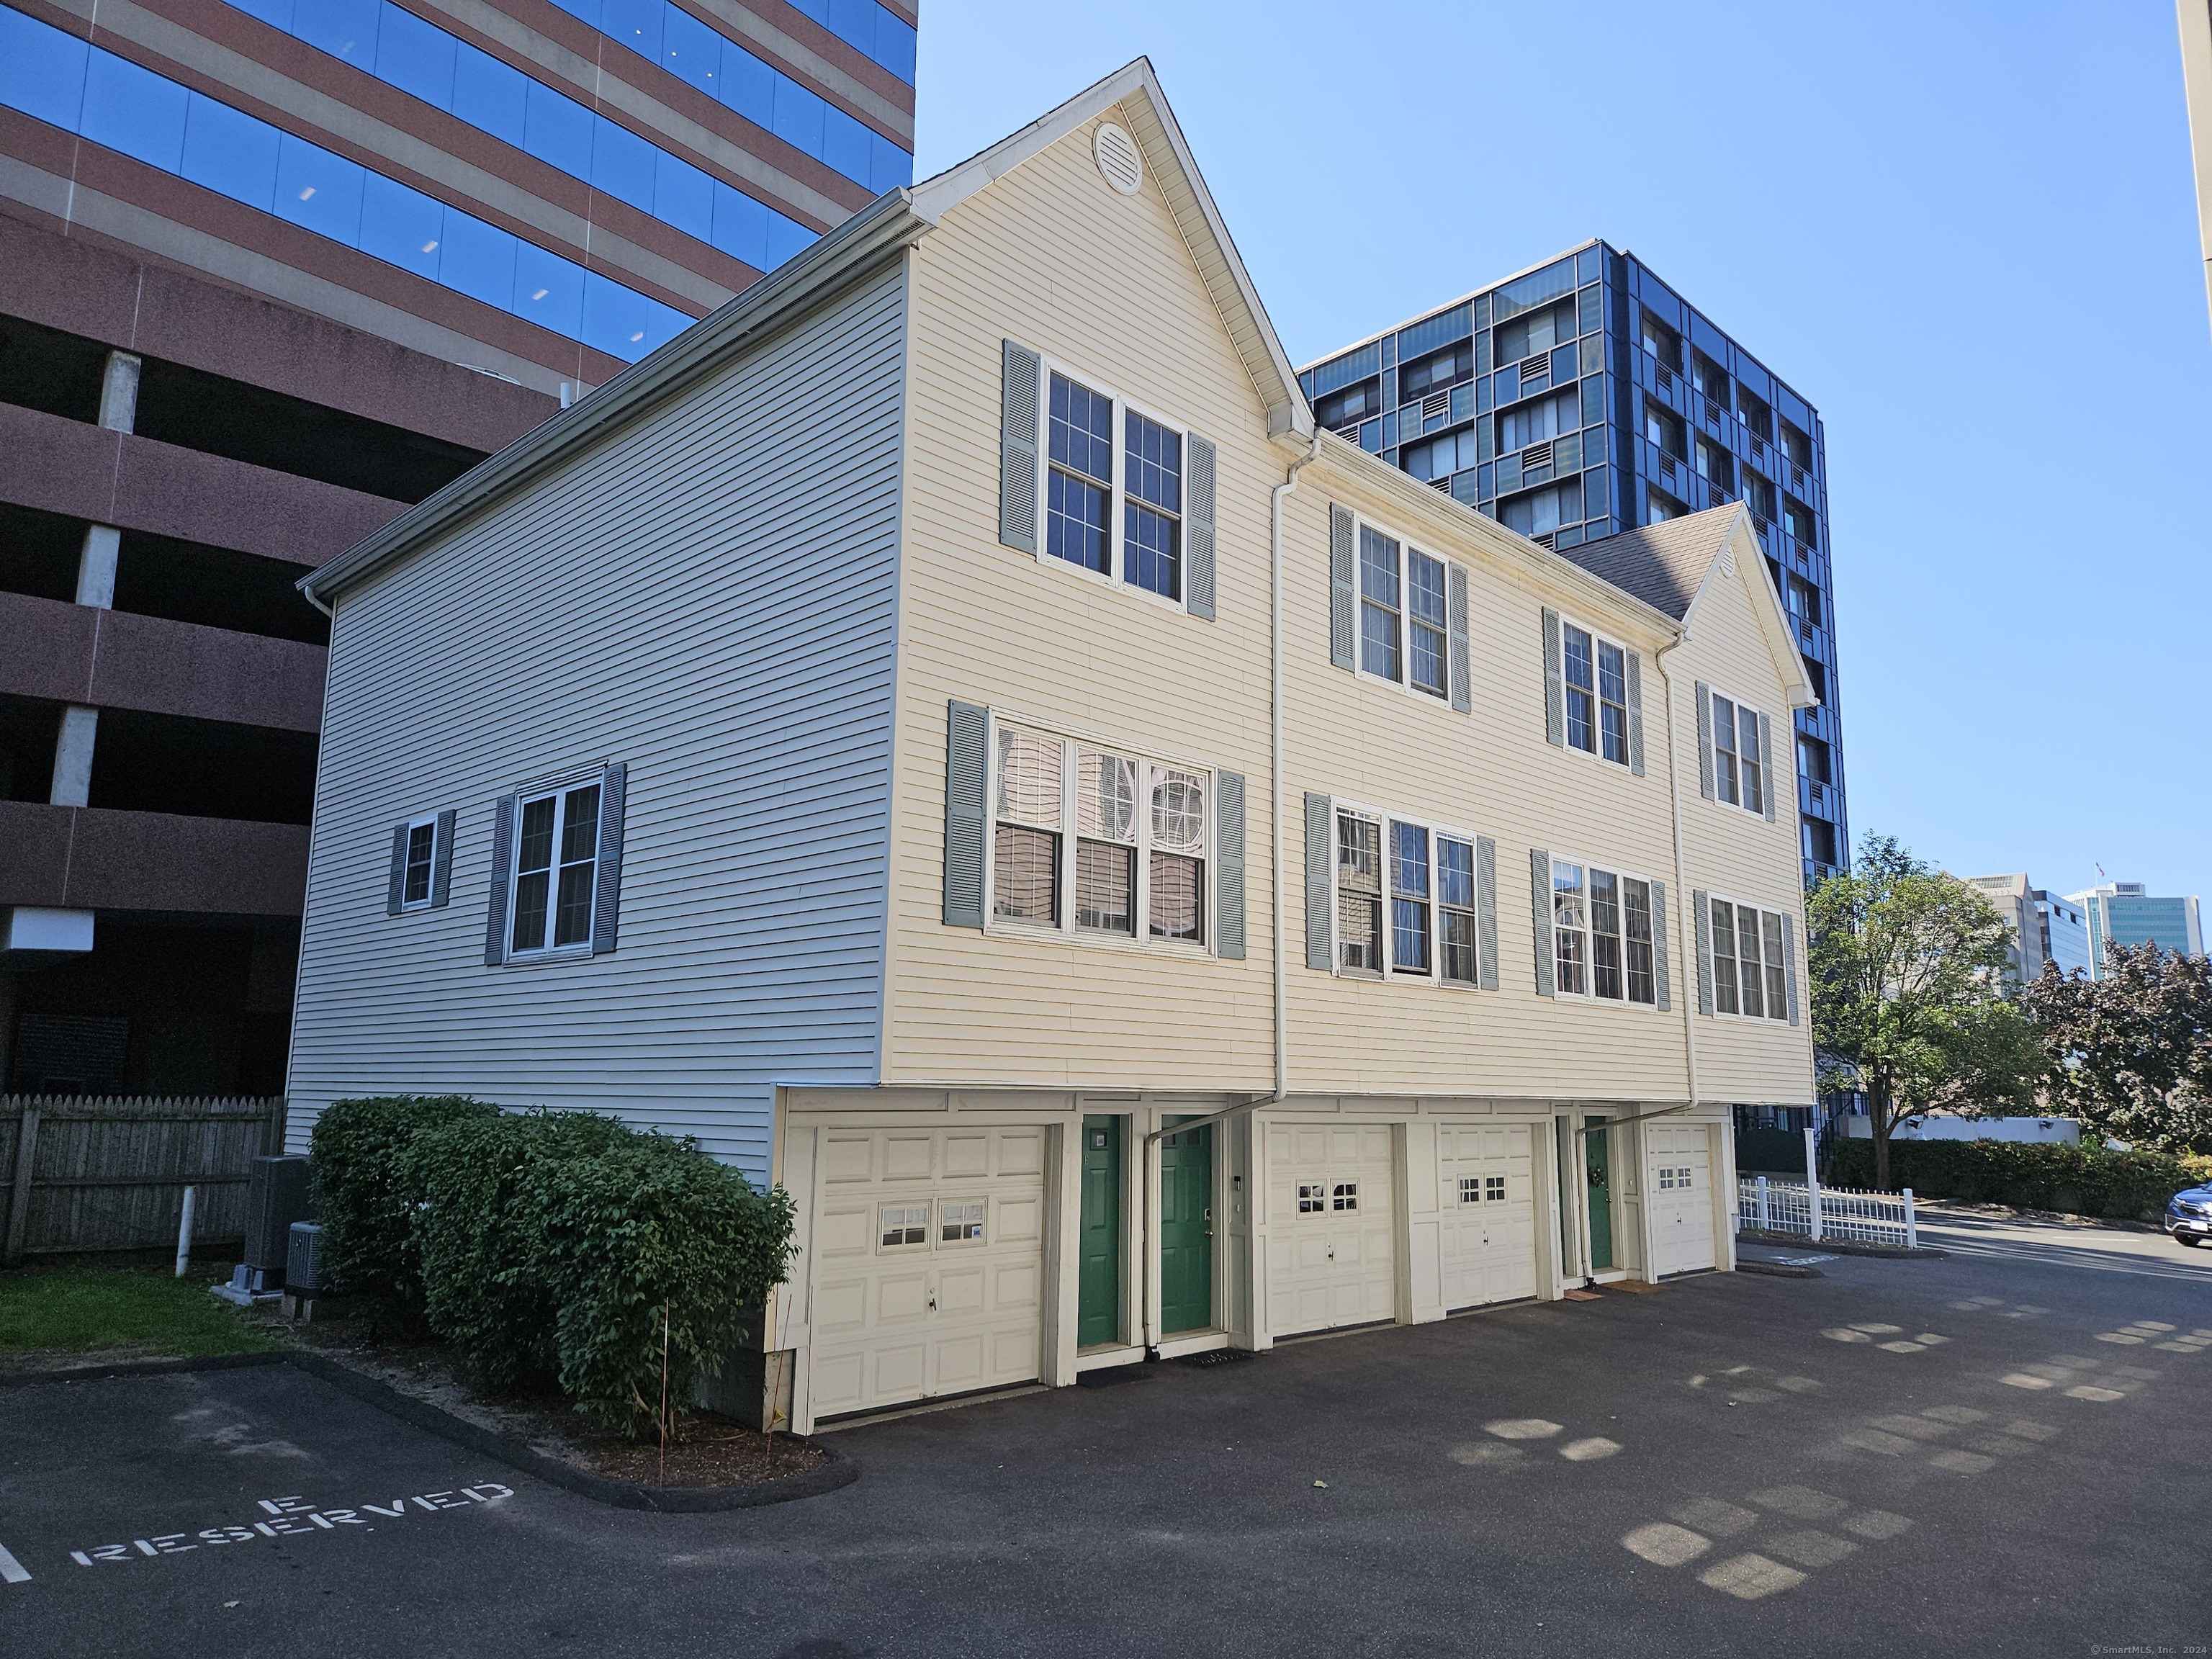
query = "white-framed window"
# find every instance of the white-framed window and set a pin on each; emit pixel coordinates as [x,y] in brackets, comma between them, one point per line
[1329,1197]
[959,1221]
[901,1227]
[1405,899]
[1739,766]
[1114,478]
[418,860]
[1138,864]
[1751,977]
[1482,1189]
[1601,927]
[556,853]
[1404,608]
[1594,671]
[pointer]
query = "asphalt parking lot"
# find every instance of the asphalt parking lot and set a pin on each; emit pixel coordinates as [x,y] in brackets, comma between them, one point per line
[2001,1452]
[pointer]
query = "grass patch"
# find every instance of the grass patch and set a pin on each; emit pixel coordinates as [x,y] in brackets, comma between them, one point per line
[83,1309]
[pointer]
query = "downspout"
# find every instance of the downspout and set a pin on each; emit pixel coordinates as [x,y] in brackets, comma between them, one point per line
[1282,1022]
[1681,877]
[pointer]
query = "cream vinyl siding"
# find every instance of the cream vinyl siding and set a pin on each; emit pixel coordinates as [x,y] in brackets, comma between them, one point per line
[1490,772]
[1052,258]
[702,597]
[1736,854]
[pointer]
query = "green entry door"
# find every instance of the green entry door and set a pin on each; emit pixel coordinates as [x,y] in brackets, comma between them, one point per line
[1187,1230]
[1597,1159]
[1098,1284]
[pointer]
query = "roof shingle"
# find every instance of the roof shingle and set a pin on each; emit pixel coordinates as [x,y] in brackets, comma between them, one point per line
[1662,564]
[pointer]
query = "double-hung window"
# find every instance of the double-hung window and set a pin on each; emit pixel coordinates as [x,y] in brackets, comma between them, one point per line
[1602,937]
[1596,674]
[1137,864]
[556,870]
[1405,899]
[422,862]
[1739,760]
[1750,973]
[1152,508]
[1146,489]
[1078,525]
[1405,615]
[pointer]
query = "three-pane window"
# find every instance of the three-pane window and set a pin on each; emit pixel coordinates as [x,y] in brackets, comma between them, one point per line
[1596,674]
[1136,865]
[1405,626]
[1084,475]
[1601,926]
[1751,977]
[556,870]
[1739,762]
[1405,900]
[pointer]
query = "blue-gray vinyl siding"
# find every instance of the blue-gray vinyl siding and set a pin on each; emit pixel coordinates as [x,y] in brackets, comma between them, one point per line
[709,597]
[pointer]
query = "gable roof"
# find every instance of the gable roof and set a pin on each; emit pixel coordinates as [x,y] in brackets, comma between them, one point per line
[1136,89]
[1662,564]
[1671,565]
[829,266]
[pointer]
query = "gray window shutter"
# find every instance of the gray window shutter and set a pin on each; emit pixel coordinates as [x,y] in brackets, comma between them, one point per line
[606,896]
[1198,527]
[1555,686]
[1485,910]
[1663,981]
[502,872]
[1320,859]
[967,762]
[1229,867]
[441,862]
[1704,694]
[1019,409]
[1462,690]
[1636,713]
[398,887]
[1769,775]
[1341,603]
[1540,892]
[1704,743]
[1701,914]
[1790,961]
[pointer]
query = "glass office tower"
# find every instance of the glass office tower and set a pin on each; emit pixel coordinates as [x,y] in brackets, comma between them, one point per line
[271,271]
[1584,398]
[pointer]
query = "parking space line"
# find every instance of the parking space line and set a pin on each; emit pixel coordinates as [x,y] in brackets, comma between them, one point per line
[11,1570]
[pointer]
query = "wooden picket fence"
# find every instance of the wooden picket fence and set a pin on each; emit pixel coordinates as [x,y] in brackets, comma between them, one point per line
[93,1173]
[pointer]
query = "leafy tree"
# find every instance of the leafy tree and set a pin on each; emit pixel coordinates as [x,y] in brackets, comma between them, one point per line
[1909,1002]
[2131,1053]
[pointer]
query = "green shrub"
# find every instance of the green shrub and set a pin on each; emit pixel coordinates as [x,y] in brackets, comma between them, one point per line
[550,1245]
[2078,1180]
[354,1158]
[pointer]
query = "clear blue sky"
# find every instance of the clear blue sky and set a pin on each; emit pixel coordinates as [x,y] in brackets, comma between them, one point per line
[1966,232]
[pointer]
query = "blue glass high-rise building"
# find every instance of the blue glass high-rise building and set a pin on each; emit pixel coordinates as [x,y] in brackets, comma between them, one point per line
[1584,396]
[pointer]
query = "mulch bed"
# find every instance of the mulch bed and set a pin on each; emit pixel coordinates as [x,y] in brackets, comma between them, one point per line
[710,1450]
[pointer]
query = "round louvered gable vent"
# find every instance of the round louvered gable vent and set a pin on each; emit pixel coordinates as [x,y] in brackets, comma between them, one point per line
[1119,159]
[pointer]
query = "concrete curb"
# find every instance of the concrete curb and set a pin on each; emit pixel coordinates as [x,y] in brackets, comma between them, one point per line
[1843,1247]
[1778,1270]
[515,1453]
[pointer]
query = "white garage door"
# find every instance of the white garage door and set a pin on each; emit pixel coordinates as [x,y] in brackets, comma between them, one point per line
[928,1270]
[1330,1240]
[1681,1184]
[1488,1202]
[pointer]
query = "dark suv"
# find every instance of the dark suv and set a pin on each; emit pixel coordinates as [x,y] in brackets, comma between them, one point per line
[2189,1214]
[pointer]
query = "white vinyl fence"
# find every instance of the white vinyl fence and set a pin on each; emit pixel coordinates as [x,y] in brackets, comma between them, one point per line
[1814,1212]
